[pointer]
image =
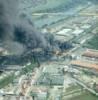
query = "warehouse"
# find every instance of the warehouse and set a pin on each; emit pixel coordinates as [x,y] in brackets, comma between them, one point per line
[85,64]
[91,53]
[39,93]
[64,32]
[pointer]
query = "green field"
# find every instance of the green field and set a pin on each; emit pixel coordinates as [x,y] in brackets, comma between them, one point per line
[93,43]
[85,96]
[48,5]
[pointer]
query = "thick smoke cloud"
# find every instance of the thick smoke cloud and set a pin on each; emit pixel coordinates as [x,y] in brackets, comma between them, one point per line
[17,33]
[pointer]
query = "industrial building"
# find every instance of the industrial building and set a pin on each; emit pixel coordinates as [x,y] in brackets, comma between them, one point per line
[60,68]
[62,38]
[64,32]
[85,64]
[91,53]
[39,93]
[3,51]
[77,31]
[51,75]
[50,79]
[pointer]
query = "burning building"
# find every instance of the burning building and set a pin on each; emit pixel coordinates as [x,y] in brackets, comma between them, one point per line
[19,37]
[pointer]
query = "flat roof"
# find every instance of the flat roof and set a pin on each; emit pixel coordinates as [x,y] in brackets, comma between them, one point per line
[64,31]
[51,67]
[1,49]
[85,64]
[91,53]
[39,89]
[86,26]
[62,38]
[77,31]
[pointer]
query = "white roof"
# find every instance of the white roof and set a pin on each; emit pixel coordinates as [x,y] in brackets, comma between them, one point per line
[64,31]
[61,38]
[77,31]
[86,26]
[1,49]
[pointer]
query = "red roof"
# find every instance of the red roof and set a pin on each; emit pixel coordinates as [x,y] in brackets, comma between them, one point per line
[85,64]
[91,53]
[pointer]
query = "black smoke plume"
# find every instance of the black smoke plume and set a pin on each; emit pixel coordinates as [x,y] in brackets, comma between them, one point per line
[17,33]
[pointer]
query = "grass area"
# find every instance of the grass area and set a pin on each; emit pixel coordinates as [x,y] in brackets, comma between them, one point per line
[85,96]
[93,43]
[29,68]
[48,5]
[71,88]
[6,80]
